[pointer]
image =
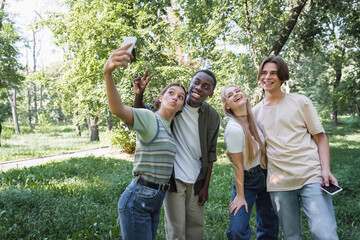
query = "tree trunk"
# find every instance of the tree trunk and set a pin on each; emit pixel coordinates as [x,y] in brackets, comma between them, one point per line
[249,35]
[77,126]
[334,115]
[109,124]
[1,12]
[35,104]
[34,70]
[78,130]
[12,100]
[34,51]
[88,122]
[41,98]
[289,26]
[357,108]
[174,23]
[29,105]
[338,70]
[0,133]
[94,129]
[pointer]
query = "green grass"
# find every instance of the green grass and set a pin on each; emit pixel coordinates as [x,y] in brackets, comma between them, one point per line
[77,198]
[345,164]
[49,140]
[73,199]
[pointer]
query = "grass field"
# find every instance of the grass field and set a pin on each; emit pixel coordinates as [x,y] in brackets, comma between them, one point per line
[54,139]
[77,198]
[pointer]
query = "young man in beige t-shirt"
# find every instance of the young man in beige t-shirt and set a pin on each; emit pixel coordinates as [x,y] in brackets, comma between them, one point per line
[298,155]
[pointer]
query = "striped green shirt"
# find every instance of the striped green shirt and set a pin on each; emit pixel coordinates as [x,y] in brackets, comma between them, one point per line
[154,154]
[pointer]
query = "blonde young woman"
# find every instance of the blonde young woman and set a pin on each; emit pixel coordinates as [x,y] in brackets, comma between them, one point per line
[140,204]
[245,146]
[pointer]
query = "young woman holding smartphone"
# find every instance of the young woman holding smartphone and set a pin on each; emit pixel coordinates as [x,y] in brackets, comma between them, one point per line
[140,204]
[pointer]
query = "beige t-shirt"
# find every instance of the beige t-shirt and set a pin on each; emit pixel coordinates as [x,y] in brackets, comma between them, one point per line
[293,158]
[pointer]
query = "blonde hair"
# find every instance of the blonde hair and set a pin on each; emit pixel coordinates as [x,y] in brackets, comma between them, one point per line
[250,143]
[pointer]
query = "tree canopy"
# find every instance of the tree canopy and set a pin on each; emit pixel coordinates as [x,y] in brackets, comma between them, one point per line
[9,67]
[318,39]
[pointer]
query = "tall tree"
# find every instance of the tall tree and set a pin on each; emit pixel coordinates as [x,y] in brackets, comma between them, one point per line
[288,27]
[328,34]
[5,110]
[9,67]
[34,70]
[90,32]
[229,35]
[12,100]
[178,37]
[2,6]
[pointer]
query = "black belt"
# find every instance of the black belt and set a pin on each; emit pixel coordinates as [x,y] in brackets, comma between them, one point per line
[255,169]
[163,187]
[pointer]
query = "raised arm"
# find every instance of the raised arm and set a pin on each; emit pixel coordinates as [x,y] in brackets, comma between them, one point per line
[119,57]
[139,89]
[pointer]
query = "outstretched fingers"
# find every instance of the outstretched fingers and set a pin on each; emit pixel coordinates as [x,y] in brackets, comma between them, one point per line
[145,79]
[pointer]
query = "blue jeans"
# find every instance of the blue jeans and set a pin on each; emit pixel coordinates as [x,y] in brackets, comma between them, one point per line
[267,224]
[317,206]
[139,209]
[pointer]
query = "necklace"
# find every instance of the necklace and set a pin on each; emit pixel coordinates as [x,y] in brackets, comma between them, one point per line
[242,115]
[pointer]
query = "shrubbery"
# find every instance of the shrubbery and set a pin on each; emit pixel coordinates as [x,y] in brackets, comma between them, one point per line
[124,139]
[44,125]
[7,132]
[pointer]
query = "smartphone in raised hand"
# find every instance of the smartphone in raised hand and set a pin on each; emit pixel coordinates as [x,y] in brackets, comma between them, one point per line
[331,189]
[128,40]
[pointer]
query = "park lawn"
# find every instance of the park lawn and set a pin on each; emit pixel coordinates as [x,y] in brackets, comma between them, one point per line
[77,198]
[45,141]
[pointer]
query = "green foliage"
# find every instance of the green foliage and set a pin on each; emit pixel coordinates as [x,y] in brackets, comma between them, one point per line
[123,139]
[91,32]
[325,60]
[7,132]
[39,78]
[44,126]
[9,67]
[5,108]
[177,38]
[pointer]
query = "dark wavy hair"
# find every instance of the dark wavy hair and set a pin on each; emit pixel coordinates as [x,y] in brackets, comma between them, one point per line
[283,71]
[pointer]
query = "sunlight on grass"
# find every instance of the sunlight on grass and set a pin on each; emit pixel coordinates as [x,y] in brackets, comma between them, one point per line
[60,140]
[350,141]
[353,137]
[74,183]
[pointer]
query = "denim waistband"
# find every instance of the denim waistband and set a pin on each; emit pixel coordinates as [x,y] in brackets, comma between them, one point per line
[255,169]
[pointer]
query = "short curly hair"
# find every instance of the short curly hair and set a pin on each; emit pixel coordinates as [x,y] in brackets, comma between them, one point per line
[208,72]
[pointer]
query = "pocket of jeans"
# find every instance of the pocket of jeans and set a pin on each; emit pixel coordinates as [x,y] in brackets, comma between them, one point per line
[146,192]
[124,200]
[255,181]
